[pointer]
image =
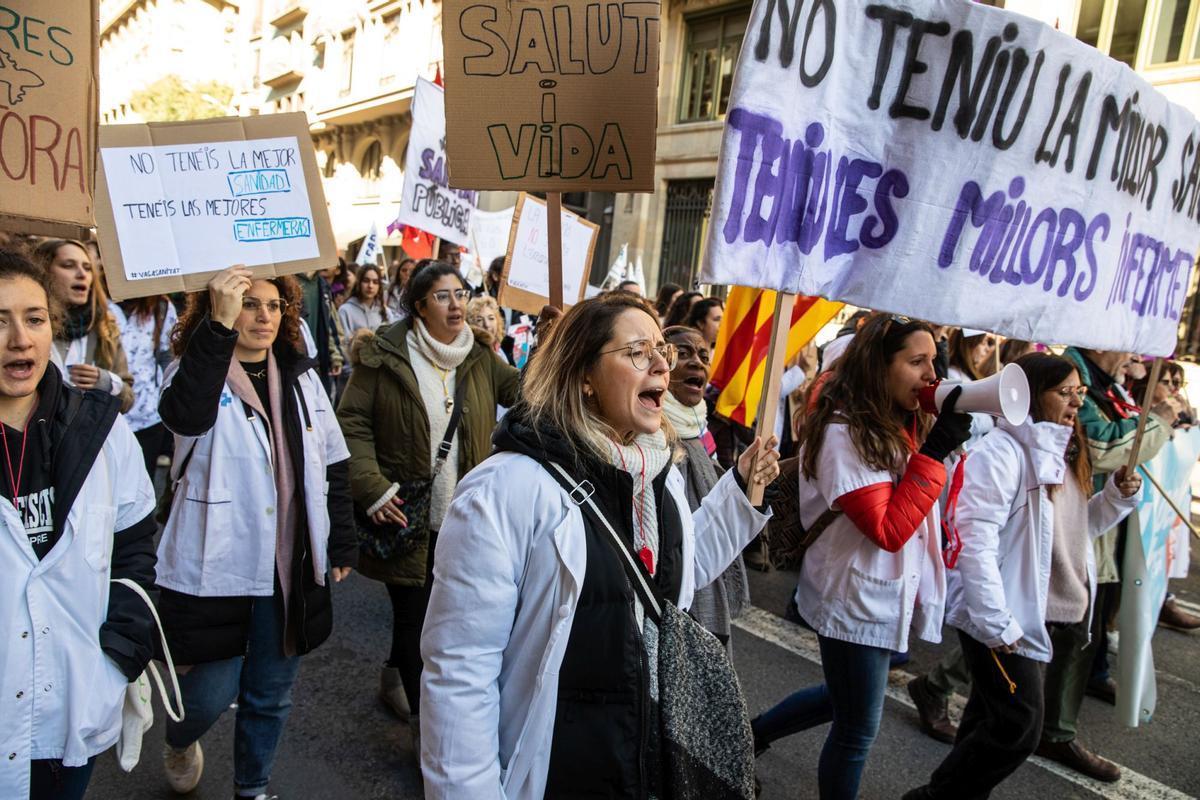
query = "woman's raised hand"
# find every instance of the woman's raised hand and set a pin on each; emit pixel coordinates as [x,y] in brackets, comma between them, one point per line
[1128,482]
[767,468]
[225,292]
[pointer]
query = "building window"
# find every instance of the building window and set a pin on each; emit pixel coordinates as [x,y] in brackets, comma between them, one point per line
[713,43]
[1114,27]
[689,205]
[391,50]
[347,76]
[370,169]
[1174,36]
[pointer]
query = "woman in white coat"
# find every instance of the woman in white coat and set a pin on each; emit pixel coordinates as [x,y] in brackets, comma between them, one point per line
[75,516]
[534,645]
[260,524]
[1026,525]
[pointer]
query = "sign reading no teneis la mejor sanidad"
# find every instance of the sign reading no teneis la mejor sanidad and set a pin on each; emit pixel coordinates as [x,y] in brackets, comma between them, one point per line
[179,201]
[552,96]
[958,163]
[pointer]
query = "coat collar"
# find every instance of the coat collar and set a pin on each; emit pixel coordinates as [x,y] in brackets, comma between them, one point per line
[1045,446]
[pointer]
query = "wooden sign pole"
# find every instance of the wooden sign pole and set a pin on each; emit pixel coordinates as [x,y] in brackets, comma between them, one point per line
[554,245]
[768,403]
[1163,493]
[1151,385]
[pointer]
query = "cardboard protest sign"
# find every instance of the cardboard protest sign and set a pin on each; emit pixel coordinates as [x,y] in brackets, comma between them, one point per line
[551,97]
[1151,552]
[958,163]
[48,60]
[427,202]
[525,284]
[489,236]
[181,200]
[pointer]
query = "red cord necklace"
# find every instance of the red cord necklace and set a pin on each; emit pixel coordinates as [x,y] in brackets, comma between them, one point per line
[14,478]
[644,551]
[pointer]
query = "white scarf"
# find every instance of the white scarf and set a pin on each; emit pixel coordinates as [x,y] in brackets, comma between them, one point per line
[446,356]
[689,421]
[643,460]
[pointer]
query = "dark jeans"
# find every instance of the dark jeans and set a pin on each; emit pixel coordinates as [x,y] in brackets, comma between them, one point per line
[852,698]
[1000,727]
[50,780]
[261,682]
[409,604]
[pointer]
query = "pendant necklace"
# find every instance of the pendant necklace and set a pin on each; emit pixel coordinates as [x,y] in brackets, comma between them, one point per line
[448,401]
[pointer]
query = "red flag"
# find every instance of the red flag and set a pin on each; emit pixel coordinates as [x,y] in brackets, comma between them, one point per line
[416,243]
[437,77]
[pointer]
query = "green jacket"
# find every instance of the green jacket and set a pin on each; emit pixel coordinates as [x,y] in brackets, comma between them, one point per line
[387,429]
[1110,441]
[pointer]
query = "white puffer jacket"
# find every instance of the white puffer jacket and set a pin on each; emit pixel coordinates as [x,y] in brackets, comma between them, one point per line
[997,592]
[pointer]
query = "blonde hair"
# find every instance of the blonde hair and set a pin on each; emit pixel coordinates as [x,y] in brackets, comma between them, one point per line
[108,333]
[478,305]
[552,394]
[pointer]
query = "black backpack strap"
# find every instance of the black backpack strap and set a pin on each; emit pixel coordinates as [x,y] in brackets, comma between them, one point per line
[581,495]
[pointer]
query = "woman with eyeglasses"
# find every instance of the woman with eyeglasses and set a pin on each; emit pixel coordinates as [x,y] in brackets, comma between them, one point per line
[717,604]
[395,413]
[538,652]
[1025,576]
[261,519]
[871,474]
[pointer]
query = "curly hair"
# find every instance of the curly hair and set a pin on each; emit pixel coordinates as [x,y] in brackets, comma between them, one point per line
[199,305]
[856,392]
[108,333]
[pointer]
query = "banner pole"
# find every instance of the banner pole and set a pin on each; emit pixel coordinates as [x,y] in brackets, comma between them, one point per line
[1151,385]
[768,403]
[1163,492]
[554,237]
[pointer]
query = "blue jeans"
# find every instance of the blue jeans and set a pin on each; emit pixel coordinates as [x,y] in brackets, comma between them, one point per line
[50,780]
[852,698]
[261,682]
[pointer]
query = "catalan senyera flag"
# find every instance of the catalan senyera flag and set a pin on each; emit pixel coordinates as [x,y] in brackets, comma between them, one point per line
[740,361]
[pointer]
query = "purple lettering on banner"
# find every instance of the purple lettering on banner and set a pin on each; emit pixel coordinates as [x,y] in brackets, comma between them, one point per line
[850,175]
[751,127]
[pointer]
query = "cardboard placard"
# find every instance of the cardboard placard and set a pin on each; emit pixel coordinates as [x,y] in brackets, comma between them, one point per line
[525,284]
[178,201]
[48,78]
[551,98]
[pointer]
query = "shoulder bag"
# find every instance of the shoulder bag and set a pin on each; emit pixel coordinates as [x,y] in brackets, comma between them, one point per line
[391,540]
[706,741]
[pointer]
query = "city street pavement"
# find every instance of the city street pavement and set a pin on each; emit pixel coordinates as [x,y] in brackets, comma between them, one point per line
[340,743]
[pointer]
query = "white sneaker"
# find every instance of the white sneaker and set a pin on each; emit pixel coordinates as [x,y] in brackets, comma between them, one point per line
[183,767]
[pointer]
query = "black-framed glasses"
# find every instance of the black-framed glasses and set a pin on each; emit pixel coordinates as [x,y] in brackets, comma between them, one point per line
[640,354]
[685,352]
[1067,392]
[253,305]
[442,296]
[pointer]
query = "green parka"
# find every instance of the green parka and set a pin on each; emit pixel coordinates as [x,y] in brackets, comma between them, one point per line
[387,429]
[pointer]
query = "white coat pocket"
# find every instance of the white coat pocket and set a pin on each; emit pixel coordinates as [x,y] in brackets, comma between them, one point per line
[96,527]
[872,599]
[208,513]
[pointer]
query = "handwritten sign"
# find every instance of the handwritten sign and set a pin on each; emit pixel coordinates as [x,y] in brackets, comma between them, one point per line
[958,163]
[551,97]
[489,237]
[427,202]
[182,200]
[525,283]
[48,116]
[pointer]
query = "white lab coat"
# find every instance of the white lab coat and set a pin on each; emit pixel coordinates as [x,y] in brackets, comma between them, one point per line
[60,695]
[1005,517]
[511,557]
[850,588]
[220,538]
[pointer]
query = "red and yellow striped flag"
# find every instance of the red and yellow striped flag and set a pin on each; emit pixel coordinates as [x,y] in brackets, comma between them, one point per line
[739,364]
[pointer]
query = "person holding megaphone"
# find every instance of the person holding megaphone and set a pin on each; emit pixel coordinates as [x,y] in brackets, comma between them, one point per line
[1026,517]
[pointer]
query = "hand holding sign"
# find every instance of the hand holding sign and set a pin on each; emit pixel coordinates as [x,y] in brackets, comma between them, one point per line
[225,292]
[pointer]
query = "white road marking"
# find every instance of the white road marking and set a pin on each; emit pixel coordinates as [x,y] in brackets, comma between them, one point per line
[1190,607]
[803,642]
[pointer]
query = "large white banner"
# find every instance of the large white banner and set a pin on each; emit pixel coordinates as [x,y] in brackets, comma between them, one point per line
[427,202]
[958,163]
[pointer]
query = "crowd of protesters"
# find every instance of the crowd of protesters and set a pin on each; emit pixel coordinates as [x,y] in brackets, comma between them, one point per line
[538,528]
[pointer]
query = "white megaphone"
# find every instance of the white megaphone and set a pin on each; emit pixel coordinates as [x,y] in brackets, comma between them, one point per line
[1005,394]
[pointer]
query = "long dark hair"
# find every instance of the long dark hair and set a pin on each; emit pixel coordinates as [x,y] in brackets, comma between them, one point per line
[1045,371]
[662,303]
[699,313]
[677,314]
[960,353]
[424,276]
[199,306]
[358,282]
[15,264]
[857,393]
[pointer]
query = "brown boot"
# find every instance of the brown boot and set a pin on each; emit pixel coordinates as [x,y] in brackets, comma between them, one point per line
[1074,755]
[933,709]
[1172,616]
